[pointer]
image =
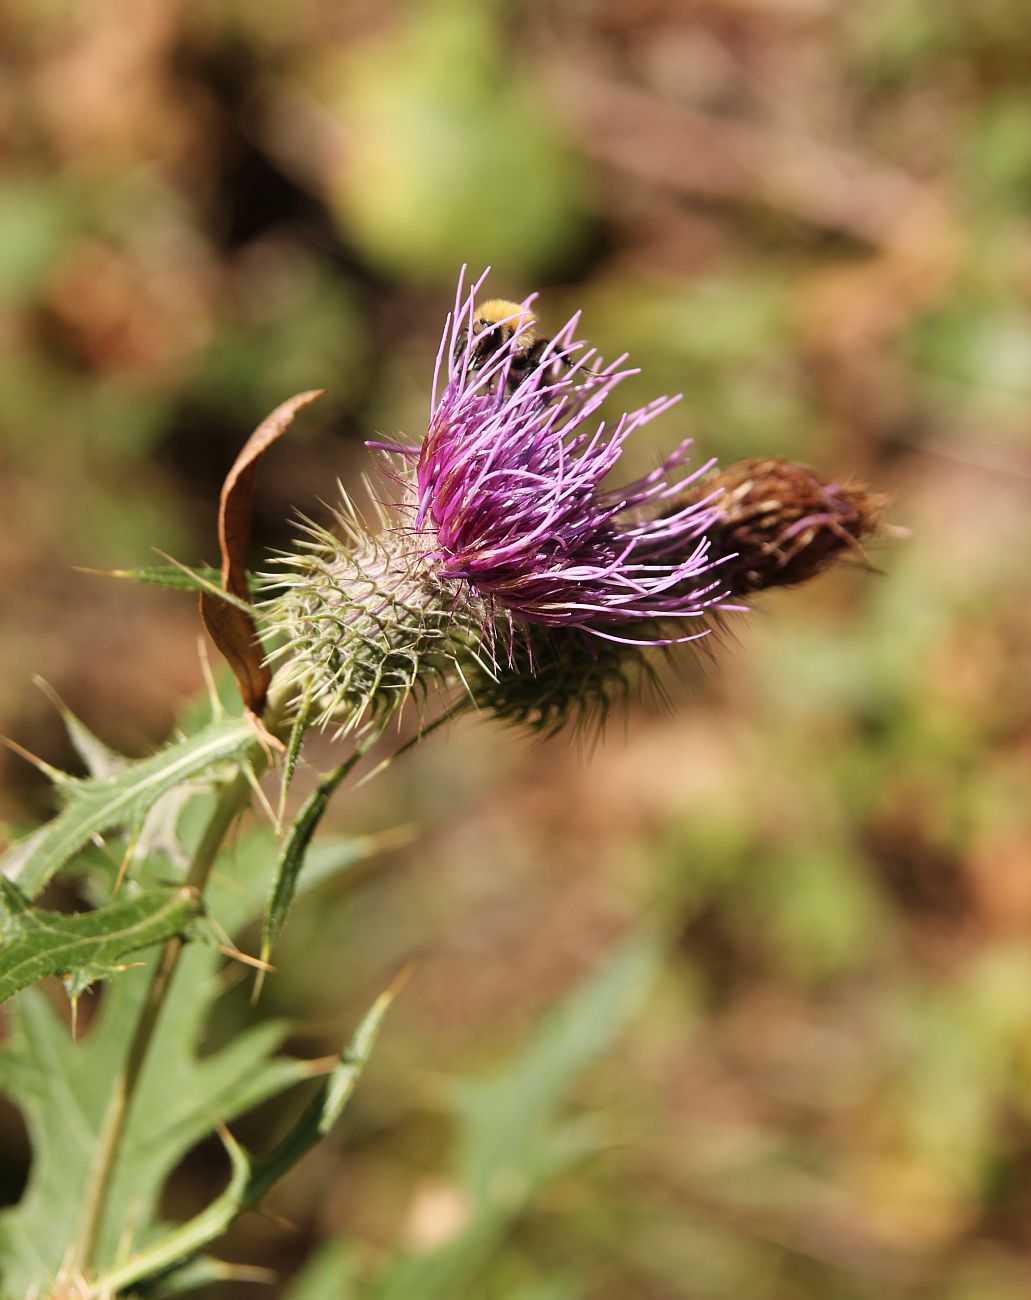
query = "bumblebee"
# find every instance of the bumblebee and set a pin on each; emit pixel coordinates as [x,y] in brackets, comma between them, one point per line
[494,325]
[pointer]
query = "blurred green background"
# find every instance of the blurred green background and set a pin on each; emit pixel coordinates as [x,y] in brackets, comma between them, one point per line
[813,217]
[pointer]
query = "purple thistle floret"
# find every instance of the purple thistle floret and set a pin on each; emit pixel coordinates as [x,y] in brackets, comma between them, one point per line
[511,497]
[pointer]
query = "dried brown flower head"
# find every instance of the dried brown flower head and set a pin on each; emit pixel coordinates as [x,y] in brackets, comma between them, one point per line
[782,523]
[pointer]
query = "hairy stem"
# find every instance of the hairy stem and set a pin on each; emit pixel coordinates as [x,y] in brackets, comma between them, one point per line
[233,798]
[252,1177]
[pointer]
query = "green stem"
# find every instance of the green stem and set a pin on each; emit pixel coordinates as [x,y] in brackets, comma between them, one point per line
[251,1178]
[232,800]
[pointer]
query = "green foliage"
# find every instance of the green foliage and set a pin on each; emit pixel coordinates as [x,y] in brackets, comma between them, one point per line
[34,222]
[100,804]
[100,759]
[428,182]
[251,1177]
[292,855]
[88,947]
[328,1275]
[511,1135]
[199,578]
[62,1086]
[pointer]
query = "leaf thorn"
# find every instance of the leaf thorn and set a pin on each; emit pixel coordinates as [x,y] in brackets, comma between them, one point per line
[271,744]
[228,950]
[40,764]
[217,711]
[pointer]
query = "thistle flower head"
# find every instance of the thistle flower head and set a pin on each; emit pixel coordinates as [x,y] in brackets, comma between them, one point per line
[504,528]
[781,523]
[511,501]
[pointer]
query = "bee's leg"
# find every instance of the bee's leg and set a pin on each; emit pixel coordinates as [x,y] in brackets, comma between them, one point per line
[526,361]
[533,355]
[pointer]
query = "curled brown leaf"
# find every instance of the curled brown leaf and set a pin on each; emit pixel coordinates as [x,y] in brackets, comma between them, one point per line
[231,628]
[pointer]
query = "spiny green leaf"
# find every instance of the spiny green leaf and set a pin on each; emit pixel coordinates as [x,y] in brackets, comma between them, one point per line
[96,805]
[198,577]
[291,857]
[100,759]
[62,1086]
[509,1141]
[326,1107]
[331,855]
[293,747]
[251,1178]
[204,1271]
[87,947]
[295,847]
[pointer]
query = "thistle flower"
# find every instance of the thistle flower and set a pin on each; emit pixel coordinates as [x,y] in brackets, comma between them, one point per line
[507,563]
[511,500]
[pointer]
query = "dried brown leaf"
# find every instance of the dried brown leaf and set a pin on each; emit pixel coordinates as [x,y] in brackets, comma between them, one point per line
[231,628]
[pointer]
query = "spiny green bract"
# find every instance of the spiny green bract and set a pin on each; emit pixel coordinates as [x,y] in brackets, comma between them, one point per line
[363,623]
[559,676]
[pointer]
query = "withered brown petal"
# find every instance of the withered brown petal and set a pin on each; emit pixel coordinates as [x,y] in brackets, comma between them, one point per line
[232,629]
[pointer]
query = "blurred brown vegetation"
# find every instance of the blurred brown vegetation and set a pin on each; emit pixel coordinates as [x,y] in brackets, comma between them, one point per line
[813,217]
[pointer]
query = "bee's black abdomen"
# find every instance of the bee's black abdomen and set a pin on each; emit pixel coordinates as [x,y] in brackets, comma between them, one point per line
[534,354]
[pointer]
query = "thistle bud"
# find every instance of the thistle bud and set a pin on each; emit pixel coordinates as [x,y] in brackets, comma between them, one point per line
[362,621]
[781,523]
[560,677]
